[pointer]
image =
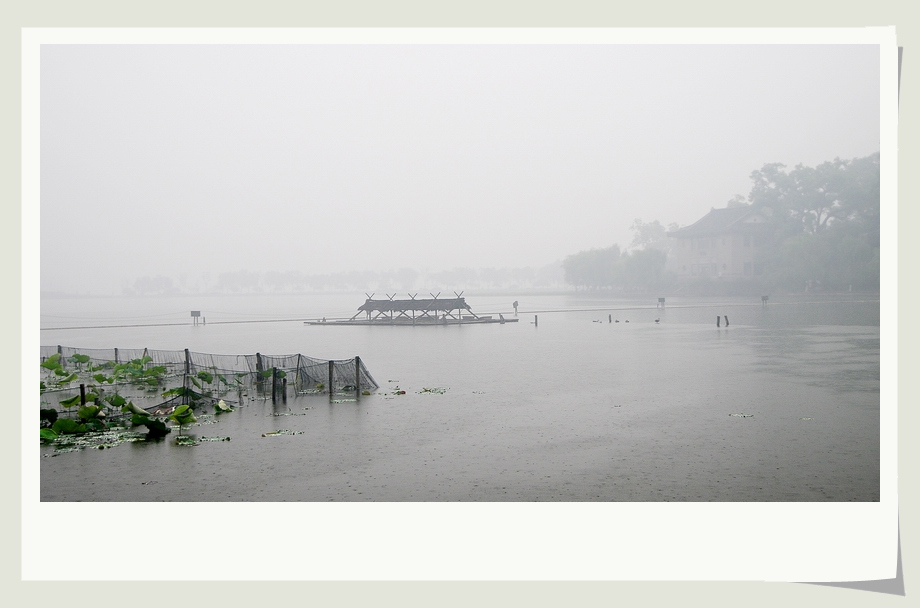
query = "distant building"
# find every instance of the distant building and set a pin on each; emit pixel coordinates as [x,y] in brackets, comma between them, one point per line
[727,243]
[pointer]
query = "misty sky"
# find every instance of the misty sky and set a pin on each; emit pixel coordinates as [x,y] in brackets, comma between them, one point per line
[164,159]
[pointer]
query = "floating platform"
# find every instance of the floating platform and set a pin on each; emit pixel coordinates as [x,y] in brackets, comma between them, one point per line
[476,321]
[426,311]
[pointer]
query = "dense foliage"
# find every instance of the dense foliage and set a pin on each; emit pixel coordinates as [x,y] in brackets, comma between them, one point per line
[824,223]
[607,268]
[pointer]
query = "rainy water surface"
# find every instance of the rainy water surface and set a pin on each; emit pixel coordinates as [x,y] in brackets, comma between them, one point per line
[596,401]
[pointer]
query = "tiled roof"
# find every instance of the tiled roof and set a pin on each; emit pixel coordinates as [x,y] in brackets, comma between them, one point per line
[728,220]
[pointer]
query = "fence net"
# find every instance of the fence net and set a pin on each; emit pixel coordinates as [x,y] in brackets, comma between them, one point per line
[160,376]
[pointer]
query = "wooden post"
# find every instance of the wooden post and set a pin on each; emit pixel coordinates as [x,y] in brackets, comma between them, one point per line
[82,394]
[188,364]
[259,372]
[536,321]
[298,382]
[274,383]
[116,356]
[357,376]
[610,318]
[284,390]
[726,320]
[61,356]
[331,371]
[718,321]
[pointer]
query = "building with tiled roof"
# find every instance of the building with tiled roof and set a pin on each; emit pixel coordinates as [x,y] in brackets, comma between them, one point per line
[726,243]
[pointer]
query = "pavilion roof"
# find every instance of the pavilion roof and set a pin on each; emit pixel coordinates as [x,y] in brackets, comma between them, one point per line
[417,304]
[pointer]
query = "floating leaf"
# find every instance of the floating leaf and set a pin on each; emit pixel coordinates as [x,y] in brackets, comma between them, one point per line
[71,402]
[48,435]
[183,415]
[130,408]
[88,412]
[67,426]
[52,361]
[156,428]
[115,400]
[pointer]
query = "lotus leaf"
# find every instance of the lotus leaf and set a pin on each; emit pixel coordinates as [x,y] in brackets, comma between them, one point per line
[71,402]
[115,400]
[88,412]
[64,426]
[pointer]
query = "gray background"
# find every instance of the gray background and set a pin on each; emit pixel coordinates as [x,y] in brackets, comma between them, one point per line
[474,13]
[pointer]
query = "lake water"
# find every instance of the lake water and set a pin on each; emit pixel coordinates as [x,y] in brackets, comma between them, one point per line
[574,408]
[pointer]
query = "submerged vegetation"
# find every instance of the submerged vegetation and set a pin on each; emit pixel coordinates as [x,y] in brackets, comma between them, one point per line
[93,401]
[99,415]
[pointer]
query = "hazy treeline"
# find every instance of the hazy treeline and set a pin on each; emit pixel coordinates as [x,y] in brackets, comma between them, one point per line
[610,267]
[824,223]
[402,280]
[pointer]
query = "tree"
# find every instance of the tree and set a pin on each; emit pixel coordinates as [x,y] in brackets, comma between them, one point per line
[652,235]
[644,268]
[825,221]
[810,199]
[592,269]
[611,268]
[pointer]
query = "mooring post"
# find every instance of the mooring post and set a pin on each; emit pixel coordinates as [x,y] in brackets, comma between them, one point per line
[726,320]
[357,376]
[718,321]
[536,320]
[274,383]
[82,394]
[610,318]
[331,371]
